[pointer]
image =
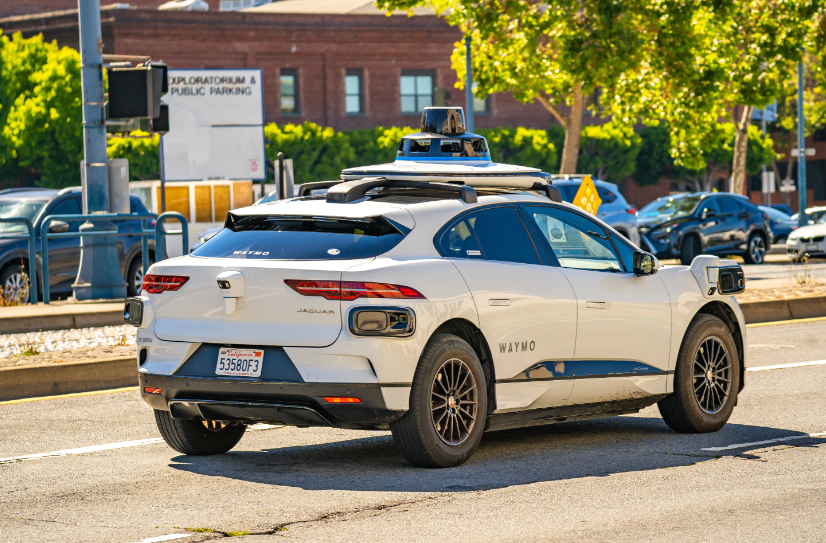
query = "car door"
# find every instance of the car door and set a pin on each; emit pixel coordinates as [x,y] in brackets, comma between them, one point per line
[623,330]
[64,253]
[735,219]
[711,224]
[527,309]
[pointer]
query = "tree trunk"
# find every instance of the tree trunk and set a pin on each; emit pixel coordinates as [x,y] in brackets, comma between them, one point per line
[741,142]
[572,123]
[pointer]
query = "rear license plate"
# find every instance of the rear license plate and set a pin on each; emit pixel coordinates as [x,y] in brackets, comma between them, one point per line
[811,247]
[240,362]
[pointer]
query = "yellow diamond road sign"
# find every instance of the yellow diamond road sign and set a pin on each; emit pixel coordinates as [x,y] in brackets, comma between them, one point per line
[586,197]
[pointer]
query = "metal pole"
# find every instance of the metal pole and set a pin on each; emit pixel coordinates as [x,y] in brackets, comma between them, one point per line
[802,219]
[469,85]
[99,275]
[163,179]
[767,196]
[282,178]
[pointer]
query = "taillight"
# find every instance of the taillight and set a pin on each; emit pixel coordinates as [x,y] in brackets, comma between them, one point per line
[150,390]
[155,284]
[351,290]
[152,223]
[337,399]
[631,210]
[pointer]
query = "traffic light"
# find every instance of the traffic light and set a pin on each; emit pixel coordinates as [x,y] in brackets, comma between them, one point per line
[135,93]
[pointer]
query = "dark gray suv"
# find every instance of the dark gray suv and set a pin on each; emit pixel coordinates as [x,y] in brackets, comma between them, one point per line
[64,253]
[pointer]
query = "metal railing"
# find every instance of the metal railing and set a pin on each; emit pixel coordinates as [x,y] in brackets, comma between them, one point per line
[32,254]
[144,233]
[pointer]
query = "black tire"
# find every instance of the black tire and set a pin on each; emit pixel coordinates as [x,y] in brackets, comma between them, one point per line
[780,240]
[687,411]
[196,437]
[132,282]
[13,284]
[755,249]
[689,249]
[417,436]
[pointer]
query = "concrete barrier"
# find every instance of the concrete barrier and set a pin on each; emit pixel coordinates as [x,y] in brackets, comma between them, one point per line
[782,310]
[24,319]
[52,379]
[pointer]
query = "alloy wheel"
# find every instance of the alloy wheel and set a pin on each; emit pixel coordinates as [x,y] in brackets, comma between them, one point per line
[757,249]
[16,288]
[454,399]
[138,279]
[712,375]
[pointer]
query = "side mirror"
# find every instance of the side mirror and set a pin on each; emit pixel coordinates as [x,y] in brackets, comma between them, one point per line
[708,213]
[58,227]
[645,263]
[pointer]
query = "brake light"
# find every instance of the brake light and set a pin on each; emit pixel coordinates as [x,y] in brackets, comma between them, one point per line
[150,390]
[329,399]
[351,290]
[631,210]
[152,223]
[155,284]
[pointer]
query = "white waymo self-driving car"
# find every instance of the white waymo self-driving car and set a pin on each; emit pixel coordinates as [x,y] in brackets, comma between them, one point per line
[439,296]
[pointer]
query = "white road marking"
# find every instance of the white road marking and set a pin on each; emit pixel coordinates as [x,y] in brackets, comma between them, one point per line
[772,346]
[766,442]
[110,446]
[169,537]
[782,366]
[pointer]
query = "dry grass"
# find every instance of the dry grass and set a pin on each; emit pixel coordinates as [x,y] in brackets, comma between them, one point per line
[120,341]
[26,347]
[802,276]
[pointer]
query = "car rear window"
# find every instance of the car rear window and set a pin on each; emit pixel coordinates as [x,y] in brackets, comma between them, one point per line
[268,237]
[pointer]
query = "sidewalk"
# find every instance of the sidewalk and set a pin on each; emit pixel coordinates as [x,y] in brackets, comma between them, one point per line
[60,316]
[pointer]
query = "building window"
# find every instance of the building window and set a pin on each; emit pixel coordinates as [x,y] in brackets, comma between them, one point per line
[416,90]
[353,94]
[480,105]
[289,91]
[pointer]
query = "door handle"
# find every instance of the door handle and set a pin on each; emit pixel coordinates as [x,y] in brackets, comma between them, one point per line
[596,305]
[500,302]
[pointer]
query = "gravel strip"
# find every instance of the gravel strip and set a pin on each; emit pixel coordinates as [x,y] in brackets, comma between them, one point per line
[15,345]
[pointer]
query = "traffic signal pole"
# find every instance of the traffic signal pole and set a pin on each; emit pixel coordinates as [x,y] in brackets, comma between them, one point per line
[802,219]
[469,87]
[99,276]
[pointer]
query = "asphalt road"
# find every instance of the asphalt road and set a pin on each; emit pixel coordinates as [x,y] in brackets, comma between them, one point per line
[626,478]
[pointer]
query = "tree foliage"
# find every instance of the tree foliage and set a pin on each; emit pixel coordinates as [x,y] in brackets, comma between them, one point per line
[40,112]
[524,146]
[141,150]
[609,151]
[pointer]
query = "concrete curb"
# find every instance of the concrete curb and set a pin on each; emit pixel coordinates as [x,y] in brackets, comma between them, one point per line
[64,320]
[783,310]
[53,379]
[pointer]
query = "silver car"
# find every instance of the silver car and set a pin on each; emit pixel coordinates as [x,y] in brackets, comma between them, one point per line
[614,209]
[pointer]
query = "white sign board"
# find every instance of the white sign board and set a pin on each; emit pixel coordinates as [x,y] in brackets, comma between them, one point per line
[768,182]
[216,125]
[807,152]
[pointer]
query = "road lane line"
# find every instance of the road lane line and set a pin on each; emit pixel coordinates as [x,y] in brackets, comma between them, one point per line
[783,366]
[110,446]
[73,395]
[766,442]
[778,323]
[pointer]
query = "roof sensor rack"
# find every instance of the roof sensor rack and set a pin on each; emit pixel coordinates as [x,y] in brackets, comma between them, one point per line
[350,191]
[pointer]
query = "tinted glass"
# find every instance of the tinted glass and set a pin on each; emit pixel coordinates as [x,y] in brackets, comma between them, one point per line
[301,238]
[625,252]
[775,214]
[727,205]
[671,206]
[19,208]
[458,241]
[70,206]
[709,204]
[500,235]
[576,241]
[606,195]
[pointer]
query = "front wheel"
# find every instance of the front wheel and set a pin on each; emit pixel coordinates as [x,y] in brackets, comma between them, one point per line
[706,380]
[689,249]
[755,250]
[448,406]
[15,284]
[198,437]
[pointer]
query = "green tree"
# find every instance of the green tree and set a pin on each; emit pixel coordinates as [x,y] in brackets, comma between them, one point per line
[141,150]
[318,153]
[41,112]
[523,146]
[609,151]
[654,161]
[556,53]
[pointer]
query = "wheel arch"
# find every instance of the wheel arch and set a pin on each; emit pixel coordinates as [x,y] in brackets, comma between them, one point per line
[469,332]
[726,314]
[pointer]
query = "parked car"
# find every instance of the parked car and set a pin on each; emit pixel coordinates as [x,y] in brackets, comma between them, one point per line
[808,241]
[814,214]
[781,224]
[784,208]
[64,253]
[614,209]
[686,225]
[205,235]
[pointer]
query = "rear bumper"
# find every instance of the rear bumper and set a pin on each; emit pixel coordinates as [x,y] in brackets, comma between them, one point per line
[289,403]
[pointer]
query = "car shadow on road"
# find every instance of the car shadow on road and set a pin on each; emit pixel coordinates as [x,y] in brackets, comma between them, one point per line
[573,450]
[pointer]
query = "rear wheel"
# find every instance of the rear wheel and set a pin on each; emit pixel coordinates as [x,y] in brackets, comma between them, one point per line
[134,277]
[689,249]
[755,250]
[448,406]
[198,437]
[15,283]
[706,380]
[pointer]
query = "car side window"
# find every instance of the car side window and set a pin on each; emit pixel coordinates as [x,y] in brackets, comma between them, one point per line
[606,195]
[728,205]
[577,242]
[69,206]
[495,233]
[708,204]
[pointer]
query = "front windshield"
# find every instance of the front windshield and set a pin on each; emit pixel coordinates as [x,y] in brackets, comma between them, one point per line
[672,206]
[19,208]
